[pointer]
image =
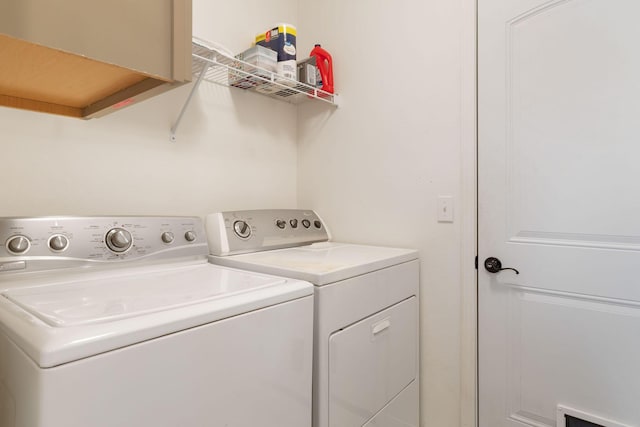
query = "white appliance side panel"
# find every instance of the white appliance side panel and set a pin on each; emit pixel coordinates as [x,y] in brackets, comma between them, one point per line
[403,411]
[371,362]
[249,370]
[341,304]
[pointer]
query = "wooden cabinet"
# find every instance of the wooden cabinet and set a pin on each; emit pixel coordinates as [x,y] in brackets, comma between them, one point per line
[87,58]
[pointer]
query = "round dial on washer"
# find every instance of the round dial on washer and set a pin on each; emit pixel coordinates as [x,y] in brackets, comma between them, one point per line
[242,229]
[167,237]
[306,223]
[190,236]
[58,242]
[293,223]
[18,244]
[118,240]
[317,224]
[281,223]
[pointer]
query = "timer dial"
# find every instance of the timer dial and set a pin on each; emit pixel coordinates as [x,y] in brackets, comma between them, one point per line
[242,229]
[190,236]
[118,240]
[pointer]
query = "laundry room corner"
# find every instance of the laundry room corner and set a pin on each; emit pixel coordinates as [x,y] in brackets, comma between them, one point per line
[233,149]
[403,136]
[402,139]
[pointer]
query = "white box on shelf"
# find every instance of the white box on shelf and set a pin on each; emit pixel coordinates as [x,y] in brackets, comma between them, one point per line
[258,61]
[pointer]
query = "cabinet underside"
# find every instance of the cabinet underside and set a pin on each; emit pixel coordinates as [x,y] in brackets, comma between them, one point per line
[43,79]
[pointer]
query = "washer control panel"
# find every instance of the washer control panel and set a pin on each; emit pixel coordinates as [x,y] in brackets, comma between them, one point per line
[44,240]
[237,232]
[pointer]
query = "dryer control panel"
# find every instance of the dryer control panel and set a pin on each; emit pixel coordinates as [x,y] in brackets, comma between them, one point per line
[236,232]
[42,243]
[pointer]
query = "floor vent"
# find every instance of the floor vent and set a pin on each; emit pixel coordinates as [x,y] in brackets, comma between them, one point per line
[577,422]
[569,417]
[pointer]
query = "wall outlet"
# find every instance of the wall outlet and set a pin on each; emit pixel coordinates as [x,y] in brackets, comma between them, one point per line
[445,208]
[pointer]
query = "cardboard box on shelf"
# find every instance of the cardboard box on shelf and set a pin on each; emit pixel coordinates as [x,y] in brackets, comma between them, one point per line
[308,71]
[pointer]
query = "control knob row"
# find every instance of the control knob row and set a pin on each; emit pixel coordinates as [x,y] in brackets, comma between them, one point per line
[120,240]
[281,224]
[168,237]
[243,229]
[20,244]
[117,239]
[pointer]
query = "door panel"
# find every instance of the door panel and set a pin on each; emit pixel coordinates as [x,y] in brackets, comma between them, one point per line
[558,97]
[571,121]
[562,349]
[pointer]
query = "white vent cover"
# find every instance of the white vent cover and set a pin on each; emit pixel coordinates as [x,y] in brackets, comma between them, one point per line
[564,410]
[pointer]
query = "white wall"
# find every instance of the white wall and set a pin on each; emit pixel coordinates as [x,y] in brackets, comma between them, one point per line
[235,150]
[403,135]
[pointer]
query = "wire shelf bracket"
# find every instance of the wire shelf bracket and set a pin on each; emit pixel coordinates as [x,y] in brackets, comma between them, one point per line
[174,128]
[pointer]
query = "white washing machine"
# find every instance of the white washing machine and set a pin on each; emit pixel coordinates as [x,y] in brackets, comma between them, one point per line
[121,321]
[366,311]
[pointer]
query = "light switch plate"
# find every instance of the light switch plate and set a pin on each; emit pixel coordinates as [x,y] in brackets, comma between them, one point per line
[445,208]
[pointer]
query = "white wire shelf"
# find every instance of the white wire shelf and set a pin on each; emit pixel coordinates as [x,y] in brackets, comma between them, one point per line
[215,66]
[224,70]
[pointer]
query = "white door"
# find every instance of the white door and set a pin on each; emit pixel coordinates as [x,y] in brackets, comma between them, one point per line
[559,200]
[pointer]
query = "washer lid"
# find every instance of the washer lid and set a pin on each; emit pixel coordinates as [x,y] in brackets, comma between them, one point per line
[63,318]
[320,263]
[108,299]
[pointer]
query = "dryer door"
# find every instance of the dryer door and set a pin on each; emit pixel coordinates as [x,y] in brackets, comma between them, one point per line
[371,362]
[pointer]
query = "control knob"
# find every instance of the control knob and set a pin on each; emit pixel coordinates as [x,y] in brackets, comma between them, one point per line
[242,229]
[18,244]
[118,240]
[58,242]
[306,223]
[190,236]
[281,224]
[167,237]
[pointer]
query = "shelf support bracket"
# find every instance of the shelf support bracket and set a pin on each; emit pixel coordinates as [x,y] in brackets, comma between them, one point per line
[174,128]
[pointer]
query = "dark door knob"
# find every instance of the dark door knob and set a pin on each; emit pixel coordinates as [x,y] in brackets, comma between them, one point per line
[493,265]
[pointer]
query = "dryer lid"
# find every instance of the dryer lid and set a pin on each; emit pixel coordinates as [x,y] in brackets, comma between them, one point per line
[107,299]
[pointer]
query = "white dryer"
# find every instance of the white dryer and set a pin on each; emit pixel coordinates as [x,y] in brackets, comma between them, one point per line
[366,354]
[121,321]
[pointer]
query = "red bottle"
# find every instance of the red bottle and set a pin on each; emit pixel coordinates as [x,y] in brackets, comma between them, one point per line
[325,67]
